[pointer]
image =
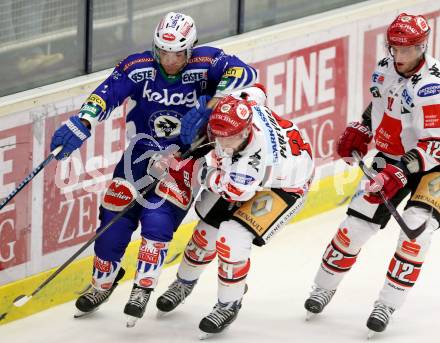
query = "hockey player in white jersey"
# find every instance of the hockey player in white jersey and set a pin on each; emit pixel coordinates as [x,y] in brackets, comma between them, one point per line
[255,180]
[404,118]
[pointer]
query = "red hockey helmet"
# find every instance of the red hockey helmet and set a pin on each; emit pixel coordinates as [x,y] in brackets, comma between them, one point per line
[407,30]
[229,117]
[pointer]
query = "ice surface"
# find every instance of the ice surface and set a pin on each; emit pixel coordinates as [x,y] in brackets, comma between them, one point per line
[279,282]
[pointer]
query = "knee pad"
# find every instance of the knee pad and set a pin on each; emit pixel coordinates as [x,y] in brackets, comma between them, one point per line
[416,249]
[405,266]
[234,241]
[201,247]
[232,272]
[342,252]
[104,273]
[353,233]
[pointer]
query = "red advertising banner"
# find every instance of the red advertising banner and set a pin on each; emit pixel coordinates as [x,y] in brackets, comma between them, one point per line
[73,188]
[310,85]
[15,217]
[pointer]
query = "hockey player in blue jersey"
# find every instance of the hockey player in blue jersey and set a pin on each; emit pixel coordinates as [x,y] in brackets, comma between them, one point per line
[174,87]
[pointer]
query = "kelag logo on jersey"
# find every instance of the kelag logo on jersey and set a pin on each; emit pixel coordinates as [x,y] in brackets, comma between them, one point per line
[242,178]
[429,90]
[139,75]
[195,75]
[187,99]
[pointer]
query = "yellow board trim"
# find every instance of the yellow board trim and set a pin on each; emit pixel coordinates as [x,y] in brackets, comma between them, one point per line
[324,195]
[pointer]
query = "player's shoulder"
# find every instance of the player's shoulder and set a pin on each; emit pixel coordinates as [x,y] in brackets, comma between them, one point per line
[260,113]
[136,61]
[426,83]
[204,55]
[383,74]
[385,65]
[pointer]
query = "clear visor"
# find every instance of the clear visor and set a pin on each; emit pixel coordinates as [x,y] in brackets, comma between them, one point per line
[406,52]
[228,146]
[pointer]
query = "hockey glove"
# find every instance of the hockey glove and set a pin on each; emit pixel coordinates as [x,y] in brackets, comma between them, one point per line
[356,137]
[194,120]
[390,180]
[159,165]
[177,186]
[71,135]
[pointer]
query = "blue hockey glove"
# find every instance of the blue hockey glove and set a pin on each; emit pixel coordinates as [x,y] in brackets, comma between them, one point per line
[194,120]
[71,135]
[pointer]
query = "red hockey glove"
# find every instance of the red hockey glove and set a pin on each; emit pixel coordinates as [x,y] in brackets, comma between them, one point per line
[159,165]
[177,185]
[356,137]
[390,180]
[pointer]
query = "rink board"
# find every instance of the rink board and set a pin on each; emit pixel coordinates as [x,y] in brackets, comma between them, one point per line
[316,71]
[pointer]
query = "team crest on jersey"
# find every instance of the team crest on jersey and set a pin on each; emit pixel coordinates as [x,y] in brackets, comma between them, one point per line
[165,124]
[142,74]
[194,75]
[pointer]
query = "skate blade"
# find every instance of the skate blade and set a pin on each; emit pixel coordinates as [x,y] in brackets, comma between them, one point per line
[131,321]
[371,334]
[81,314]
[161,314]
[310,316]
[205,335]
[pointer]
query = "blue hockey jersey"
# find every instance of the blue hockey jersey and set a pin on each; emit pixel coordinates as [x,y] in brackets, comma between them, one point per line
[160,100]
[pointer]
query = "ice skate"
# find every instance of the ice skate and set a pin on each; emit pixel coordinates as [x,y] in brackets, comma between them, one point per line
[135,307]
[219,319]
[379,318]
[317,301]
[174,296]
[92,299]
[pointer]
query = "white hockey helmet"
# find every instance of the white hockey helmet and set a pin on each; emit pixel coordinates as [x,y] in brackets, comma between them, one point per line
[175,32]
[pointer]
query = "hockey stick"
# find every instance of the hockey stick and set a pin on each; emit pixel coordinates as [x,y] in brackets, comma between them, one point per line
[412,234]
[23,299]
[29,178]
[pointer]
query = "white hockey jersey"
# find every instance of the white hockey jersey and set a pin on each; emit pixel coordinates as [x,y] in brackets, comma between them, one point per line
[406,111]
[276,156]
